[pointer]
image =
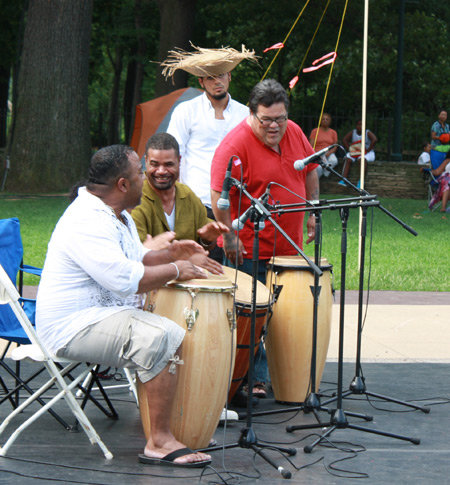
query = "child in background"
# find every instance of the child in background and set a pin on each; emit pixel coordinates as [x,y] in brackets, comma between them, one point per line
[424,159]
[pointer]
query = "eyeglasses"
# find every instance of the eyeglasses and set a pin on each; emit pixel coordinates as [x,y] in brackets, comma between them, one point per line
[266,122]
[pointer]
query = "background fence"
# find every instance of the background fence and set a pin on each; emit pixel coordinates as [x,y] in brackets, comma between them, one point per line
[415,130]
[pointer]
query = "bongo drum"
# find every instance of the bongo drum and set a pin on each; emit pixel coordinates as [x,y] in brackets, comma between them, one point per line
[205,309]
[243,300]
[289,336]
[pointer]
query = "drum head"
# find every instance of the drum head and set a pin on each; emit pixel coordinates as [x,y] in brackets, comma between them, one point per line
[244,287]
[212,283]
[294,262]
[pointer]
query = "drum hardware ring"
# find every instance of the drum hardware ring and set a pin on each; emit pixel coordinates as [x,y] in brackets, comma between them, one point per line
[276,290]
[231,319]
[191,314]
[150,307]
[150,304]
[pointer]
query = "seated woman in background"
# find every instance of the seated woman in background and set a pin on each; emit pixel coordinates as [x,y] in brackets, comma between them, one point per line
[439,128]
[326,137]
[443,191]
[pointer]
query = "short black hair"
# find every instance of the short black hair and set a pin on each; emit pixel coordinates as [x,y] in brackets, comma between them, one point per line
[163,141]
[109,164]
[267,93]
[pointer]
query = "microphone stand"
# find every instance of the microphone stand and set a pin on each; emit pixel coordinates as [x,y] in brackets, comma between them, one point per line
[338,418]
[248,437]
[358,385]
[312,402]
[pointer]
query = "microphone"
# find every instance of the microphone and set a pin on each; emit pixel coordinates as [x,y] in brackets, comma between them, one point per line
[238,224]
[224,202]
[301,164]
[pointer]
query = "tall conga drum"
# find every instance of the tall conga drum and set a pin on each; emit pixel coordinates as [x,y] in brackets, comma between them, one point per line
[290,332]
[243,301]
[204,308]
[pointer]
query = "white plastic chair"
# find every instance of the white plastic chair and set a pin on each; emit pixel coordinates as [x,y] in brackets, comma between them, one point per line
[37,353]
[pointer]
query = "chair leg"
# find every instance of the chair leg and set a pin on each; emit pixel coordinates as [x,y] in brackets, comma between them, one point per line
[66,393]
[112,413]
[24,384]
[8,396]
[132,383]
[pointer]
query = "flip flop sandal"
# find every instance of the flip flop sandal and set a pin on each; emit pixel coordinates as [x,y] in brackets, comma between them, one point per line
[259,390]
[168,460]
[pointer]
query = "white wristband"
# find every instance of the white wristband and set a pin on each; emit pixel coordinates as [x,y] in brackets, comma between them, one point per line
[178,271]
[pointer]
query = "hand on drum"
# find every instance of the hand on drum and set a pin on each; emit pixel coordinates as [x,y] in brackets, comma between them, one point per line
[212,230]
[205,262]
[161,241]
[189,271]
[233,245]
[311,229]
[184,249]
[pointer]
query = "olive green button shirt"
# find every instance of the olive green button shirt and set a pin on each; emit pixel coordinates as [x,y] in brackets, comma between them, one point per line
[190,213]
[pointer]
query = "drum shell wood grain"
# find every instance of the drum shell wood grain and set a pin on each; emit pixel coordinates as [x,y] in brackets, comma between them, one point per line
[243,308]
[208,356]
[290,332]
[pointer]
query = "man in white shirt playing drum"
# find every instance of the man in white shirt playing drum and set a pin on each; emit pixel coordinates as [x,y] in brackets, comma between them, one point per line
[90,296]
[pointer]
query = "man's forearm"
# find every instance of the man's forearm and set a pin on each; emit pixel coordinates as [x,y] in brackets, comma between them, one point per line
[223,216]
[312,185]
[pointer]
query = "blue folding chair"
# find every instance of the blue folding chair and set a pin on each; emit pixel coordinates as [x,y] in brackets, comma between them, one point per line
[11,259]
[436,158]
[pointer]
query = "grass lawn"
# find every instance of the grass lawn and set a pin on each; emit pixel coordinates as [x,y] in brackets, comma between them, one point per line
[396,259]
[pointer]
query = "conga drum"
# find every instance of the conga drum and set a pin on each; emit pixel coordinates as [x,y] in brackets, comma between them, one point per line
[243,300]
[204,308]
[290,332]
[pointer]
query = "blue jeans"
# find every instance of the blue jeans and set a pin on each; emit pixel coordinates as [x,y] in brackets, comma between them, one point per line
[261,373]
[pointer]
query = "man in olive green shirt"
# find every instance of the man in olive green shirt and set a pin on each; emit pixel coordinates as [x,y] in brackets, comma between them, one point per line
[170,207]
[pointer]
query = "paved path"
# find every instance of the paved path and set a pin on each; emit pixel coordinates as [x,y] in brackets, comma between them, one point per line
[399,326]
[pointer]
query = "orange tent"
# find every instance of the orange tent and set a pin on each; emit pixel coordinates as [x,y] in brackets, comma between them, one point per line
[154,116]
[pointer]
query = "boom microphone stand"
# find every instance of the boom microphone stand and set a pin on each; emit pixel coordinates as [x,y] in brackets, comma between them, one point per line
[312,401]
[248,439]
[358,385]
[338,419]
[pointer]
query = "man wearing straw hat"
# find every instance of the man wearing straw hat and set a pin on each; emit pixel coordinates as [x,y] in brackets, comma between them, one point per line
[199,125]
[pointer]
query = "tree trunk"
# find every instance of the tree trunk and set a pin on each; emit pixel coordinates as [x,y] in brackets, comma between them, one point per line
[114,112]
[51,148]
[4,85]
[176,29]
[135,75]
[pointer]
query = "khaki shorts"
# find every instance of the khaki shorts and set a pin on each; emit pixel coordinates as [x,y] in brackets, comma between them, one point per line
[140,341]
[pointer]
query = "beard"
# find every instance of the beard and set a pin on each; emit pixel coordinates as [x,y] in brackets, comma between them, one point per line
[218,97]
[162,184]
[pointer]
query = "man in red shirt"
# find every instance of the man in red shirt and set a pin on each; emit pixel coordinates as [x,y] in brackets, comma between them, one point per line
[265,146]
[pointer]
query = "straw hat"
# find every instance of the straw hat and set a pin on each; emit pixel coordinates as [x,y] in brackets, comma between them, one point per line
[205,62]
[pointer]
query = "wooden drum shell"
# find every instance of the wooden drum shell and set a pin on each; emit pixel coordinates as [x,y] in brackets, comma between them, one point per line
[207,354]
[290,332]
[243,308]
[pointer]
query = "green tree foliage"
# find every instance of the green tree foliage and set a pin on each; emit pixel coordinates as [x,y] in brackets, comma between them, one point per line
[125,45]
[262,24]
[124,36]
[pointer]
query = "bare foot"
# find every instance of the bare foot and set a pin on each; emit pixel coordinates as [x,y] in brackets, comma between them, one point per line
[170,446]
